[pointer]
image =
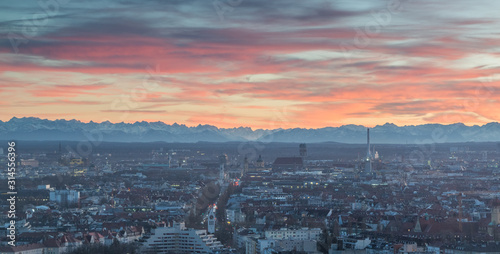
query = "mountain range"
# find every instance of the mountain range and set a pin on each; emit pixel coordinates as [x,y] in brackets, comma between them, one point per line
[32,128]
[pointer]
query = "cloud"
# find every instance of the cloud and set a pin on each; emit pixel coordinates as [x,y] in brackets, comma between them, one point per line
[426,63]
[420,107]
[68,90]
[456,117]
[69,102]
[134,111]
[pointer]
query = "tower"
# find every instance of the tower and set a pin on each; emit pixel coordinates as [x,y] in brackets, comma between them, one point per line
[327,219]
[495,213]
[60,154]
[245,166]
[368,159]
[211,220]
[303,150]
[418,227]
[460,226]
[260,162]
[495,218]
[221,175]
[222,164]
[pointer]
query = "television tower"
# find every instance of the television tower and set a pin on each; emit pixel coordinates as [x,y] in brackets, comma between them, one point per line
[368,159]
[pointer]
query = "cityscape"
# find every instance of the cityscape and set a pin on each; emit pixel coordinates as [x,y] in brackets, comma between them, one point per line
[249,127]
[253,197]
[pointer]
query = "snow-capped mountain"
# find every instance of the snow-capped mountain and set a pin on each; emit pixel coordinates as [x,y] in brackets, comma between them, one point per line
[32,128]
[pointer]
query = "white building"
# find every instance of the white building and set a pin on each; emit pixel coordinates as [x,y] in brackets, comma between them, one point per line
[168,206]
[234,215]
[241,236]
[294,234]
[211,221]
[355,243]
[180,240]
[270,246]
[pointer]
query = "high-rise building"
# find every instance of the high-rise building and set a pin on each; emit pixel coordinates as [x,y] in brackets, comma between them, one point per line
[65,197]
[181,240]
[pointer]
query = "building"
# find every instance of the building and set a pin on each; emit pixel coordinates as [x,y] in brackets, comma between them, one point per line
[495,219]
[288,164]
[65,197]
[29,163]
[491,248]
[211,221]
[180,240]
[242,235]
[355,243]
[36,248]
[251,245]
[34,197]
[234,214]
[60,245]
[293,234]
[168,206]
[260,162]
[303,150]
[256,245]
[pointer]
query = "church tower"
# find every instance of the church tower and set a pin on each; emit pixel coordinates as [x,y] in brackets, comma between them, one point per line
[260,162]
[211,221]
[495,218]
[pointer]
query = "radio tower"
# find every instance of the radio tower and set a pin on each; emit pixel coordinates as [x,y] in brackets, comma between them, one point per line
[368,159]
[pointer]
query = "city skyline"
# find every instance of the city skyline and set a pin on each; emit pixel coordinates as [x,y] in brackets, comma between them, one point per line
[251,63]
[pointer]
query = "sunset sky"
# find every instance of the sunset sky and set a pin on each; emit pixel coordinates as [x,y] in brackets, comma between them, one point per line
[257,63]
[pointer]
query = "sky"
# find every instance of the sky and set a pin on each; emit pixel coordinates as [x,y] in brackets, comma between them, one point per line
[256,63]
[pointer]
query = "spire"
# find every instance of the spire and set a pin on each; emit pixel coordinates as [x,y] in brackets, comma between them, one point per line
[330,213]
[418,227]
